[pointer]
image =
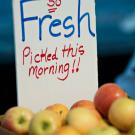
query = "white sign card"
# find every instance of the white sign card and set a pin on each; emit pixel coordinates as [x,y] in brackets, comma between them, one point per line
[56,51]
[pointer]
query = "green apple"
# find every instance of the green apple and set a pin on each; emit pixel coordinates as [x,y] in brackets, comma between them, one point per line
[122,113]
[104,131]
[45,122]
[82,119]
[17,120]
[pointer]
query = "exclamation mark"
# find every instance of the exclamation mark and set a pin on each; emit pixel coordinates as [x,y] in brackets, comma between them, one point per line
[77,69]
[73,66]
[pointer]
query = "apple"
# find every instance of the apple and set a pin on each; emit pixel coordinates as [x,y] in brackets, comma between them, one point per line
[103,123]
[1,118]
[82,119]
[96,113]
[106,95]
[45,122]
[104,131]
[86,104]
[67,130]
[122,113]
[121,133]
[17,120]
[132,130]
[83,103]
[61,109]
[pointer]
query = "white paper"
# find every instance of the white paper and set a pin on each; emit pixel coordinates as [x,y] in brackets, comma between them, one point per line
[56,51]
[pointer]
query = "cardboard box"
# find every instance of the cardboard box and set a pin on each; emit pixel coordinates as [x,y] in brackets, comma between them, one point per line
[5,132]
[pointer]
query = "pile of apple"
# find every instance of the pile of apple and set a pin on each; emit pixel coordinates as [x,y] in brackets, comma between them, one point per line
[111,112]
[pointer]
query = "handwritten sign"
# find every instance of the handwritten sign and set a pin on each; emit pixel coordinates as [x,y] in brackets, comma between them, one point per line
[56,52]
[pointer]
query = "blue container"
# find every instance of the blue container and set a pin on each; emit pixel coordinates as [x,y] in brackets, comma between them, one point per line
[127,79]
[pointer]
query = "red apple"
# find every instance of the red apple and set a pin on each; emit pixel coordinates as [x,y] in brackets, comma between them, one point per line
[17,120]
[106,95]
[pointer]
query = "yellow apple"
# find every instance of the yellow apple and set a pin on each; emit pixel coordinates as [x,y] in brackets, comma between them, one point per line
[122,113]
[61,109]
[82,119]
[86,104]
[17,120]
[132,130]
[104,131]
[67,130]
[45,122]
[103,123]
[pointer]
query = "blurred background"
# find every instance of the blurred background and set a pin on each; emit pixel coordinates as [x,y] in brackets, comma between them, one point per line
[116,46]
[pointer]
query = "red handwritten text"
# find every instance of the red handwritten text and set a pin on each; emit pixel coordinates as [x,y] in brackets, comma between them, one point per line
[53,5]
[46,62]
